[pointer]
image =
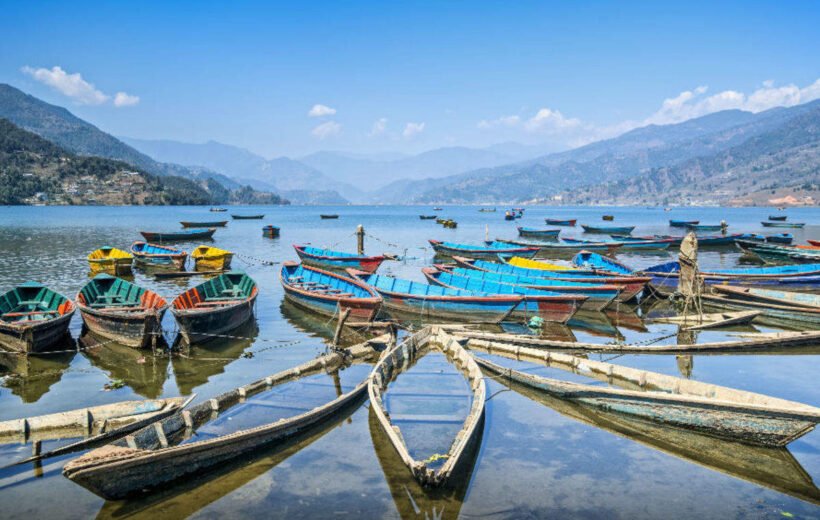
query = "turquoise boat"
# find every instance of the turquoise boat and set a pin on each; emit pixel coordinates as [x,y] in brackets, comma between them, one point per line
[604,264]
[328,259]
[329,293]
[33,318]
[490,251]
[795,225]
[538,233]
[608,230]
[154,255]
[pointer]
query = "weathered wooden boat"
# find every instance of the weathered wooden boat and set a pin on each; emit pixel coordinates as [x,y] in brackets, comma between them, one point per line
[683,223]
[785,275]
[559,222]
[110,260]
[561,247]
[780,238]
[529,263]
[328,293]
[247,217]
[709,321]
[270,231]
[33,318]
[815,243]
[599,295]
[328,259]
[328,217]
[626,244]
[487,210]
[706,227]
[548,305]
[538,233]
[490,251]
[119,310]
[780,253]
[608,230]
[714,410]
[201,438]
[207,258]
[608,218]
[392,364]
[178,236]
[214,307]
[218,210]
[207,224]
[777,315]
[795,225]
[436,302]
[428,217]
[154,255]
[600,263]
[786,298]
[703,240]
[777,218]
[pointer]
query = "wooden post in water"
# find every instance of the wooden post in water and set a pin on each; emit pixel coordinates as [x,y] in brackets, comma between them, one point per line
[360,239]
[340,326]
[690,282]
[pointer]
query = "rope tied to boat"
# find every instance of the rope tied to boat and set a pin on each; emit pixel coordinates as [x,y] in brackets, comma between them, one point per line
[249,260]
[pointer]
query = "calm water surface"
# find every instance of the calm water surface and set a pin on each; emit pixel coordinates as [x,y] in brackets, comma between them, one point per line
[538,457]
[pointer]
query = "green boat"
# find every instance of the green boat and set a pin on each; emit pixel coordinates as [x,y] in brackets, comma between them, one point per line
[33,318]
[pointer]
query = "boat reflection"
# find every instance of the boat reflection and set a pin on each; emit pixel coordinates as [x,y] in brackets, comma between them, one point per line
[320,327]
[31,377]
[595,323]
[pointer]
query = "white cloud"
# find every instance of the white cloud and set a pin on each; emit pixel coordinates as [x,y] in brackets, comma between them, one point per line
[326,129]
[123,99]
[551,120]
[321,111]
[379,127]
[509,121]
[76,88]
[412,130]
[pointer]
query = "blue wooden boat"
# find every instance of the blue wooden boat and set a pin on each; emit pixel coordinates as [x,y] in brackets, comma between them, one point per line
[247,217]
[490,251]
[548,305]
[683,223]
[329,293]
[538,233]
[780,238]
[154,255]
[270,231]
[178,236]
[554,247]
[436,302]
[559,222]
[328,259]
[705,227]
[785,298]
[777,218]
[796,225]
[33,318]
[207,224]
[794,275]
[600,263]
[608,230]
[626,244]
[703,241]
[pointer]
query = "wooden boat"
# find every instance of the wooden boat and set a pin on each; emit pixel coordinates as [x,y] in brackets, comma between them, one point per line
[815,243]
[207,224]
[777,218]
[247,217]
[794,274]
[509,216]
[710,321]
[780,238]
[449,224]
[538,233]
[328,293]
[559,222]
[182,445]
[154,255]
[91,426]
[33,318]
[436,302]
[218,210]
[428,217]
[608,218]
[778,315]
[119,310]
[706,227]
[110,260]
[328,217]
[270,231]
[437,209]
[546,266]
[608,230]
[599,263]
[392,364]
[327,259]
[786,298]
[683,223]
[490,251]
[710,409]
[703,240]
[207,258]
[548,305]
[599,295]
[795,225]
[214,307]
[487,210]
[178,236]
[626,244]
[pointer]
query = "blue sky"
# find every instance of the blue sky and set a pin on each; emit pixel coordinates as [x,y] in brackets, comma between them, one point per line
[406,76]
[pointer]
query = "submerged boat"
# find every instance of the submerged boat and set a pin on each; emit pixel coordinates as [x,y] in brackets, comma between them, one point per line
[559,222]
[154,255]
[777,218]
[208,224]
[215,307]
[783,298]
[608,230]
[538,233]
[247,217]
[683,223]
[389,368]
[490,251]
[270,231]
[436,302]
[33,318]
[207,258]
[178,236]
[119,310]
[796,225]
[328,259]
[328,293]
[110,260]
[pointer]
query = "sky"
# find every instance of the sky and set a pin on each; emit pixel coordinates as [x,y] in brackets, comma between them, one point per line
[370,77]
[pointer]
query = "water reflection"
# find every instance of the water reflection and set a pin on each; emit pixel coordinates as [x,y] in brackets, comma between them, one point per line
[143,370]
[31,377]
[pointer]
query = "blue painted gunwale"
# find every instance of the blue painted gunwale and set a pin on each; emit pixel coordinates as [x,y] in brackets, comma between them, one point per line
[535,232]
[158,255]
[183,234]
[588,259]
[337,259]
[606,230]
[355,295]
[491,250]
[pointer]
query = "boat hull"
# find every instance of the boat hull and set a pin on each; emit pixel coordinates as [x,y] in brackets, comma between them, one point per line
[361,310]
[113,266]
[368,264]
[462,309]
[484,254]
[213,263]
[151,236]
[197,326]
[36,337]
[555,222]
[137,330]
[220,223]
[608,230]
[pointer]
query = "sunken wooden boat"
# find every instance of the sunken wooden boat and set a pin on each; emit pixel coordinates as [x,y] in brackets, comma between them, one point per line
[709,321]
[33,318]
[247,217]
[782,298]
[178,447]
[559,222]
[215,307]
[206,224]
[710,409]
[794,225]
[771,313]
[538,233]
[338,260]
[207,258]
[683,223]
[490,251]
[439,303]
[608,230]
[328,293]
[121,311]
[390,366]
[270,231]
[155,255]
[110,260]
[178,236]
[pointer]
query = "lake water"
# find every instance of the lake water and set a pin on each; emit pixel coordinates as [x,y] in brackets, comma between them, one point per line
[538,456]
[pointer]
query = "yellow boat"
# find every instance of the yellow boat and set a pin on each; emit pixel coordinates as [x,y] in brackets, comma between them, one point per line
[110,260]
[207,258]
[537,264]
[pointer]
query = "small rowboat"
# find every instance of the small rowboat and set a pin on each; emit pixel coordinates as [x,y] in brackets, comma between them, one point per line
[548,305]
[436,302]
[110,260]
[558,222]
[247,217]
[703,241]
[328,259]
[706,227]
[405,355]
[683,223]
[627,244]
[785,298]
[815,243]
[490,251]
[608,230]
[215,223]
[270,231]
[778,218]
[564,247]
[215,307]
[796,225]
[328,217]
[428,217]
[154,255]
[178,236]
[201,438]
[119,310]
[487,210]
[546,266]
[771,313]
[328,293]
[207,258]
[218,210]
[600,263]
[33,318]
[709,321]
[780,238]
[609,218]
[538,233]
